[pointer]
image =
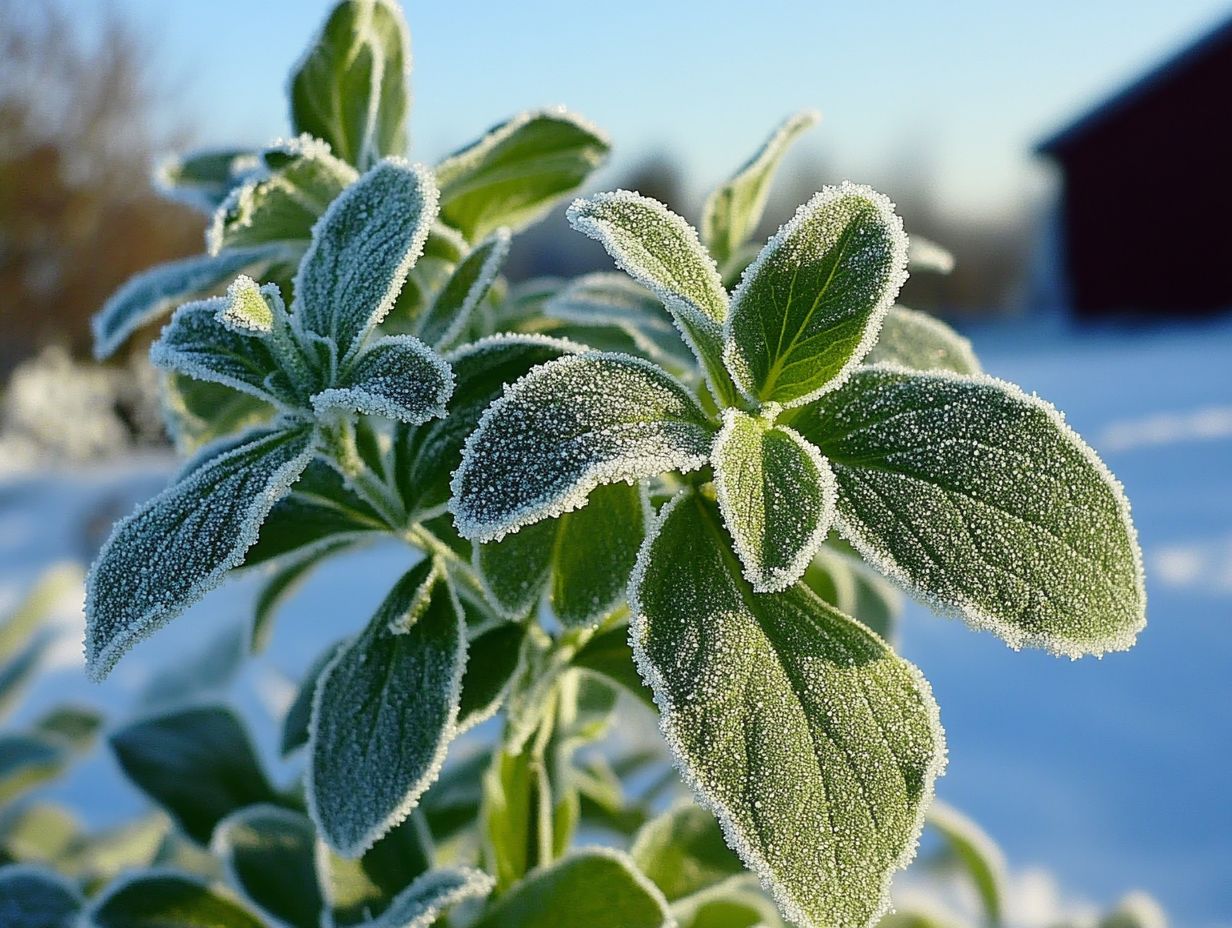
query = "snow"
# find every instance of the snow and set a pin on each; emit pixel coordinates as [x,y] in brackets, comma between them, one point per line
[1111,773]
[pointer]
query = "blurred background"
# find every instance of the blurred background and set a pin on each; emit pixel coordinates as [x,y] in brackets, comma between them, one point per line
[1074,158]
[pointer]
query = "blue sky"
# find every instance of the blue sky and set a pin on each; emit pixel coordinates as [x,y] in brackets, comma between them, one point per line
[962,89]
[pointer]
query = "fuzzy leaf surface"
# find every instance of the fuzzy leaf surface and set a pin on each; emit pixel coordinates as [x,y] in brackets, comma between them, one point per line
[732,211]
[597,888]
[582,558]
[161,898]
[386,709]
[567,427]
[361,251]
[776,493]
[920,342]
[397,377]
[196,762]
[810,305]
[352,88]
[517,171]
[179,545]
[813,743]
[984,500]
[268,853]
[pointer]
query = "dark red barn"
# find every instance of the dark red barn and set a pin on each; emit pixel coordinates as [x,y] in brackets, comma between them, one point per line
[1145,224]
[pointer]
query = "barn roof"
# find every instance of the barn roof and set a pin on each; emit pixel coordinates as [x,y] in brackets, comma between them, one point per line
[1172,71]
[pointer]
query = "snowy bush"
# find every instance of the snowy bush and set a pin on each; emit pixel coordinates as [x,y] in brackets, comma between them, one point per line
[685,483]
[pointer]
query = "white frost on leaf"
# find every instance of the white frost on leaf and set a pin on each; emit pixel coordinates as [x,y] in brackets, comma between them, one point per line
[567,427]
[431,894]
[250,308]
[449,313]
[397,376]
[921,342]
[178,546]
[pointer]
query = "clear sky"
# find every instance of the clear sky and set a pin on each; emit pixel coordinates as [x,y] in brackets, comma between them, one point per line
[961,88]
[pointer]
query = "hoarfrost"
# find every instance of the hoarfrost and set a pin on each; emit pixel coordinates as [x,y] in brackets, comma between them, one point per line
[397,376]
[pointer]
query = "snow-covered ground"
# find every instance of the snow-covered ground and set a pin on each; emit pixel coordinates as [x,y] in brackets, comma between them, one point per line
[1110,773]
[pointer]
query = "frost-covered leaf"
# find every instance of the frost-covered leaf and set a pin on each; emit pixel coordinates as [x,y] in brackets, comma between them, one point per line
[37,897]
[197,412]
[202,179]
[984,500]
[582,558]
[615,300]
[196,762]
[164,898]
[385,711]
[518,170]
[28,759]
[737,903]
[469,283]
[920,342]
[776,493]
[732,212]
[269,856]
[178,546]
[598,888]
[567,427]
[154,293]
[491,662]
[809,307]
[661,251]
[848,584]
[976,853]
[427,456]
[926,255]
[197,344]
[283,201]
[811,741]
[683,851]
[362,888]
[297,721]
[431,895]
[352,87]
[397,377]
[320,512]
[361,251]
[282,584]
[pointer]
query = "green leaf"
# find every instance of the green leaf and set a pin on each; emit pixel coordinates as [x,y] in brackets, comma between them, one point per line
[74,726]
[427,456]
[510,820]
[976,853]
[909,918]
[269,856]
[491,662]
[582,559]
[195,762]
[178,546]
[984,500]
[732,211]
[361,251]
[297,721]
[163,898]
[202,179]
[518,170]
[352,88]
[811,741]
[927,256]
[362,888]
[683,852]
[397,377]
[855,589]
[776,493]
[567,427]
[1135,910]
[26,760]
[35,897]
[736,903]
[282,584]
[24,639]
[921,343]
[598,888]
[196,412]
[100,856]
[609,655]
[155,292]
[423,902]
[446,319]
[197,344]
[283,201]
[810,305]
[386,709]
[614,300]
[661,251]
[37,832]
